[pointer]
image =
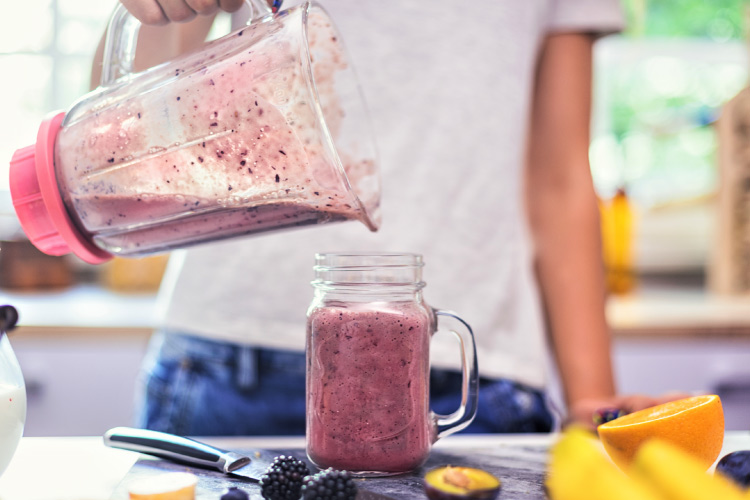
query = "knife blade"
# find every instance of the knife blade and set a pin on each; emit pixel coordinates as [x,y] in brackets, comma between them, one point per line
[192,452]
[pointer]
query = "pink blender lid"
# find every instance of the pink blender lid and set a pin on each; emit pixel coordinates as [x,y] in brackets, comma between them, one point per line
[38,203]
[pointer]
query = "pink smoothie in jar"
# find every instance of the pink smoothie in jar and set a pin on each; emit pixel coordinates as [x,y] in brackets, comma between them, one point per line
[368,394]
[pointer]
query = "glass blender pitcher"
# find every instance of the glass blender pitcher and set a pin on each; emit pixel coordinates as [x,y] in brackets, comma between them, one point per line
[263,129]
[12,391]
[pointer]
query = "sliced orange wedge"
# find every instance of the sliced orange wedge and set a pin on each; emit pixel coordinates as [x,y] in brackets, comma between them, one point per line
[695,425]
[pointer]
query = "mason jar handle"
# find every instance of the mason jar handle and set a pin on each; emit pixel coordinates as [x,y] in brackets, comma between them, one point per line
[122,35]
[462,417]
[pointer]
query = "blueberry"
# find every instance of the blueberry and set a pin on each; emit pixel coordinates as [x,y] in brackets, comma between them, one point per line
[604,415]
[234,493]
[736,466]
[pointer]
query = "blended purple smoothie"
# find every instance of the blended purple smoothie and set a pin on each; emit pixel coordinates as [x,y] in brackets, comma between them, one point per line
[368,388]
[224,142]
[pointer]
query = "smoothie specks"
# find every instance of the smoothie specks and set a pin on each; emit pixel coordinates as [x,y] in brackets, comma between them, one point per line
[368,430]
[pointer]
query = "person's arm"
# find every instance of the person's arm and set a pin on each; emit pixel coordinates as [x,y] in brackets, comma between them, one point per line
[564,218]
[564,221]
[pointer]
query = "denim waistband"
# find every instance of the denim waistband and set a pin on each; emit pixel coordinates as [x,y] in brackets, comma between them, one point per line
[250,362]
[260,359]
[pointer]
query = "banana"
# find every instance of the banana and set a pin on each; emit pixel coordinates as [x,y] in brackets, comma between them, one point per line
[679,475]
[579,470]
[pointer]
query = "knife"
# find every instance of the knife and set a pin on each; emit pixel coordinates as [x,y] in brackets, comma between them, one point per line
[188,451]
[191,452]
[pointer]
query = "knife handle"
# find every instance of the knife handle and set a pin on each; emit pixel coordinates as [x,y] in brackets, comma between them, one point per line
[173,447]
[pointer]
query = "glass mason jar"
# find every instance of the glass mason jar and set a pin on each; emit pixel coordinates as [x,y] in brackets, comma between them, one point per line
[368,364]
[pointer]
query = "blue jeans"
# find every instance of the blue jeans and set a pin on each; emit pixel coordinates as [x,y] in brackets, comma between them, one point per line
[198,387]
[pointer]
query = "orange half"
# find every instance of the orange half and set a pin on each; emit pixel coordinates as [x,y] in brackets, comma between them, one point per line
[694,424]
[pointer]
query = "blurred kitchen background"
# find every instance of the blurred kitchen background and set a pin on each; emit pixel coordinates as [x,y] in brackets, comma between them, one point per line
[670,156]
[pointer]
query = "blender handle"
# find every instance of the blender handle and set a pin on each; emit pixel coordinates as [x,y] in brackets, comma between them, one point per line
[122,35]
[462,417]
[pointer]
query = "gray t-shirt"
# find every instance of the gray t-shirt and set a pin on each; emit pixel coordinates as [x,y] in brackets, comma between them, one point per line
[449,91]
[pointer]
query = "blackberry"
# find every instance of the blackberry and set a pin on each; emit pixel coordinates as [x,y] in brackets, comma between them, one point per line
[283,479]
[329,484]
[234,493]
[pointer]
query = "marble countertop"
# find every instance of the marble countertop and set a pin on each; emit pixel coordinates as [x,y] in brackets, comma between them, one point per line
[82,468]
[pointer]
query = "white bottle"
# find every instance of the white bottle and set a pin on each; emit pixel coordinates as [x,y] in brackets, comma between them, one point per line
[12,403]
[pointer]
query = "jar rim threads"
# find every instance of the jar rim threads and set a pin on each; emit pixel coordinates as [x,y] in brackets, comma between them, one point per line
[358,269]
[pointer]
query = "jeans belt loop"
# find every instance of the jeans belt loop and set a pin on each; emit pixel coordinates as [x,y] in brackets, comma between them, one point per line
[247,367]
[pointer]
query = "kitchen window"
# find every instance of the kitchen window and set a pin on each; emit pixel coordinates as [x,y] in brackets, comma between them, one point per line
[659,88]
